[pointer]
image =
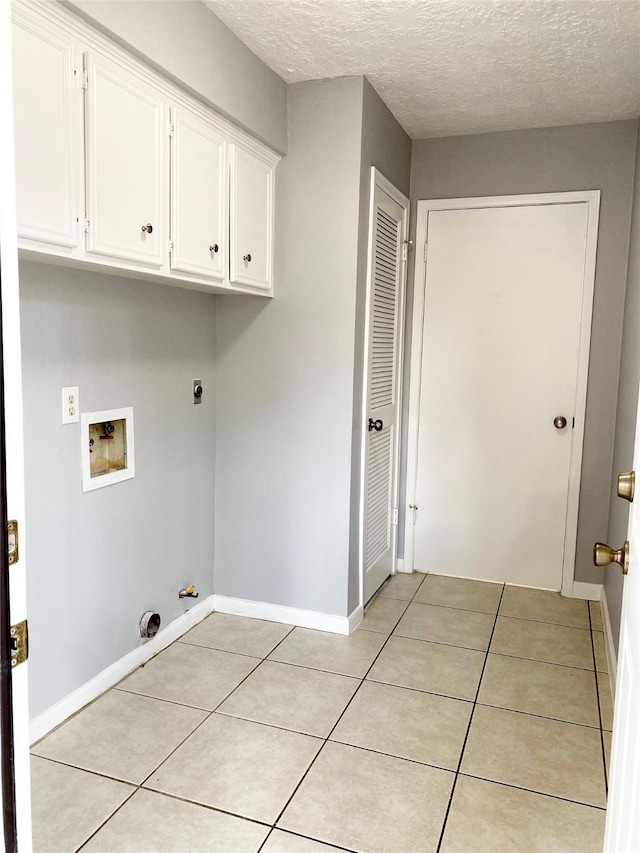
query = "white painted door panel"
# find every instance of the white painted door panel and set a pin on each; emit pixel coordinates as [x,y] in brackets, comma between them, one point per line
[251,219]
[622,833]
[503,300]
[385,301]
[46,128]
[126,127]
[198,197]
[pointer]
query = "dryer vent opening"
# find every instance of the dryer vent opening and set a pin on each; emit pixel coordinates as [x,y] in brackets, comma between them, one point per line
[149,625]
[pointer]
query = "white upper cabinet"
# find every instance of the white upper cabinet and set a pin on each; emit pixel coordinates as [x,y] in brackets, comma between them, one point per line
[46,93]
[126,130]
[118,169]
[251,219]
[199,221]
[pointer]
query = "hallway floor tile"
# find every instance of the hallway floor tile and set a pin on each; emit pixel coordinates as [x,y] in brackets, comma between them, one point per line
[247,736]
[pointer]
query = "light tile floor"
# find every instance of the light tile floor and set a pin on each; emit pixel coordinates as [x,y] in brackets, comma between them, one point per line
[461,716]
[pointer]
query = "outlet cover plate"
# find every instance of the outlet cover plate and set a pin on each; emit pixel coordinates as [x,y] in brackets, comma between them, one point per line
[70,405]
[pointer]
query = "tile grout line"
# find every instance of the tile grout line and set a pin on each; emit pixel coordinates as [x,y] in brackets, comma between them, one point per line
[306,838]
[534,791]
[595,675]
[183,741]
[113,813]
[466,737]
[333,728]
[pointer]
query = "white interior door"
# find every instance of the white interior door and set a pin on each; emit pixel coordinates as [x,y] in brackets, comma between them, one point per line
[385,305]
[501,346]
[13,426]
[622,833]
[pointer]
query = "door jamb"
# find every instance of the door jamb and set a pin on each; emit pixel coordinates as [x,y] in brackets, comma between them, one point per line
[377,179]
[424,207]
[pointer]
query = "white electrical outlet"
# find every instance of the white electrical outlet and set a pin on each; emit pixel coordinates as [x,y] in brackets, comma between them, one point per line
[70,405]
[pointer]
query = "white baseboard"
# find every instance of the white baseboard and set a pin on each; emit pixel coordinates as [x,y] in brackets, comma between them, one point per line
[608,643]
[587,591]
[355,618]
[71,704]
[288,615]
[400,565]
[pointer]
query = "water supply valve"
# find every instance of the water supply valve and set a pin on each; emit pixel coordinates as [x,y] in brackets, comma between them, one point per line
[188,592]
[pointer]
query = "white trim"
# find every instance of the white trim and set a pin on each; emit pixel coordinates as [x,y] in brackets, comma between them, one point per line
[71,704]
[377,179]
[585,591]
[400,566]
[609,644]
[355,618]
[288,615]
[125,414]
[592,199]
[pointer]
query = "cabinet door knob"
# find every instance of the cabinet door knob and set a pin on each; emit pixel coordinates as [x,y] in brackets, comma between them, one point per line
[148,228]
[213,248]
[246,258]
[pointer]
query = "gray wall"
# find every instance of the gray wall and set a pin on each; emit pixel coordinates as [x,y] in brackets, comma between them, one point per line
[386,146]
[98,560]
[627,403]
[581,157]
[184,40]
[285,374]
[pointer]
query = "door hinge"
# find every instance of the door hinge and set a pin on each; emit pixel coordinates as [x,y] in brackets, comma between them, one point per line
[85,80]
[395,515]
[86,225]
[414,509]
[13,546]
[170,247]
[19,643]
[426,245]
[171,129]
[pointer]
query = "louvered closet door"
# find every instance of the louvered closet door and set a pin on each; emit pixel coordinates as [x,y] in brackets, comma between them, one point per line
[383,381]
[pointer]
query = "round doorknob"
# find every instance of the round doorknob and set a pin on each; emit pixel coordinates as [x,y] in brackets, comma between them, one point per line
[246,258]
[213,248]
[603,555]
[148,228]
[560,422]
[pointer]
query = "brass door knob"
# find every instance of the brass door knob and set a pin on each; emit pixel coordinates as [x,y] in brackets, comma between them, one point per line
[627,485]
[213,248]
[148,228]
[603,555]
[246,259]
[560,422]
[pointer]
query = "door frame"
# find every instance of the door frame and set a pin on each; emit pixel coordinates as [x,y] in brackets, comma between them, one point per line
[377,179]
[14,460]
[426,206]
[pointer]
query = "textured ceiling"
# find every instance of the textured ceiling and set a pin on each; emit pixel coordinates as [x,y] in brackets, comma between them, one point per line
[447,67]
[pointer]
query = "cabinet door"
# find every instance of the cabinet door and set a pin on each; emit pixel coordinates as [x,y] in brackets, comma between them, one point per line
[251,220]
[46,128]
[199,224]
[125,143]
